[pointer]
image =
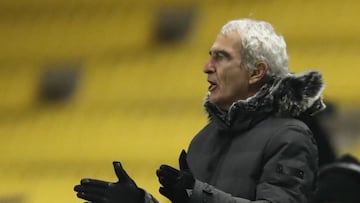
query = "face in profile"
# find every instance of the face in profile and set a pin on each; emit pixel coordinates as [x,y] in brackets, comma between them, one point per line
[228,80]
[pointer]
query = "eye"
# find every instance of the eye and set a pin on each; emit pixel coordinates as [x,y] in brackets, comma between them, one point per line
[219,55]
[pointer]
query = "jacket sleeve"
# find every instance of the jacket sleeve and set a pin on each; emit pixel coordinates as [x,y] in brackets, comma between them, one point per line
[288,174]
[148,198]
[204,192]
[291,166]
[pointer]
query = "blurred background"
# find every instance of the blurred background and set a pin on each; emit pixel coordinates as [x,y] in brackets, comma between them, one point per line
[86,82]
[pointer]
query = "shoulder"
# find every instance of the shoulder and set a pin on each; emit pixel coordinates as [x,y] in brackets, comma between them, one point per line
[279,123]
[290,136]
[290,129]
[282,130]
[205,134]
[287,128]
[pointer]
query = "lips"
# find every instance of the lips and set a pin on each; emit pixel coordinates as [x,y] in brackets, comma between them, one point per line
[212,86]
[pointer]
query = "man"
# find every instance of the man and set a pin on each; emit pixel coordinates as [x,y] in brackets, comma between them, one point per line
[255,148]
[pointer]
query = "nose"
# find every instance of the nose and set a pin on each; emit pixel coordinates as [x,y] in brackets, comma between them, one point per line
[209,67]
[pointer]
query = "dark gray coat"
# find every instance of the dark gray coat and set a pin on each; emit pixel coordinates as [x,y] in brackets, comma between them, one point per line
[259,149]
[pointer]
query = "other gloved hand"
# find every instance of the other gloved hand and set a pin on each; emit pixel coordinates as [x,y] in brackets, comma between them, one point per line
[176,184]
[123,191]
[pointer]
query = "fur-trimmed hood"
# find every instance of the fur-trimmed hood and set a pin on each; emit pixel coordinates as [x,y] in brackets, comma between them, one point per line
[290,96]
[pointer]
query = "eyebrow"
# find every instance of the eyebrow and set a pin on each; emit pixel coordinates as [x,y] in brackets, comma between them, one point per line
[225,53]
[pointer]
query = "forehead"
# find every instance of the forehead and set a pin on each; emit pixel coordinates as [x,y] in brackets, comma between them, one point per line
[230,42]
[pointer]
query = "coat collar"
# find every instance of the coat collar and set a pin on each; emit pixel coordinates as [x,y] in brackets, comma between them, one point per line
[290,96]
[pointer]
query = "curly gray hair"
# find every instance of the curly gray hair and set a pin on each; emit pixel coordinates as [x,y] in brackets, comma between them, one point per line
[260,43]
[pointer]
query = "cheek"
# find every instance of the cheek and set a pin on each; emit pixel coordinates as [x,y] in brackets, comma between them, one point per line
[235,84]
[234,78]
[236,87]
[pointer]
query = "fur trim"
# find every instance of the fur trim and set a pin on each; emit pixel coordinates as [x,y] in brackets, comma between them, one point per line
[296,94]
[290,96]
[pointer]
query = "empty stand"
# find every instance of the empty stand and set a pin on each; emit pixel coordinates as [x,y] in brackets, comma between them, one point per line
[136,101]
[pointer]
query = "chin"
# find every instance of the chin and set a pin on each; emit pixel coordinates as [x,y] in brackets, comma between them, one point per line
[218,102]
[214,100]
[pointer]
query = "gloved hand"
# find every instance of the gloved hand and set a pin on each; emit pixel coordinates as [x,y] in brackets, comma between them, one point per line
[123,191]
[176,184]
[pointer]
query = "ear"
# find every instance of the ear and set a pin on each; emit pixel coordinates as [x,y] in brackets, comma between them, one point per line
[258,74]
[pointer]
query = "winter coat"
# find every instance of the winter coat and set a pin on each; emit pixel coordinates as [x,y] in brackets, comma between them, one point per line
[259,150]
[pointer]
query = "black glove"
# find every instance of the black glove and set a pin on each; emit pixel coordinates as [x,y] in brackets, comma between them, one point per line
[123,191]
[176,184]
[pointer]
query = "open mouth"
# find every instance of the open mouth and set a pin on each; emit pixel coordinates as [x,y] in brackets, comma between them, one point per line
[212,86]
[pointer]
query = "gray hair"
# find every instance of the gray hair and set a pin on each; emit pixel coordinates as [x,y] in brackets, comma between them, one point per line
[260,43]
